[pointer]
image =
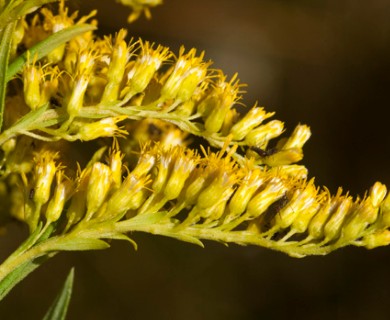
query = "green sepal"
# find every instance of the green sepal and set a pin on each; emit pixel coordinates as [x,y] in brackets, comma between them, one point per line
[46,46]
[59,308]
[79,244]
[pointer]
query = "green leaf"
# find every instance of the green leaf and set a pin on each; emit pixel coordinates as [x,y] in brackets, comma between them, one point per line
[120,236]
[5,46]
[183,237]
[18,9]
[60,305]
[46,46]
[79,244]
[18,274]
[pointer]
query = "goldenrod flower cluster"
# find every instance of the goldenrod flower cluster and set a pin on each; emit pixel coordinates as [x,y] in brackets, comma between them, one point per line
[249,192]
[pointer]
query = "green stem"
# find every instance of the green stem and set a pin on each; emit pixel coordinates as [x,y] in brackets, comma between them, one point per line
[239,237]
[15,261]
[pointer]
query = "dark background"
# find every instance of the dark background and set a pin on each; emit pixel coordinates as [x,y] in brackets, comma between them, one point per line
[324,63]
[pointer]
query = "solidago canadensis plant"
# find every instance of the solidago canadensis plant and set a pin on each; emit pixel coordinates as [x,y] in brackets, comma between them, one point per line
[169,153]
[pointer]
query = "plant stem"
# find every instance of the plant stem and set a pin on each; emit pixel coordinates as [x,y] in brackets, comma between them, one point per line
[36,251]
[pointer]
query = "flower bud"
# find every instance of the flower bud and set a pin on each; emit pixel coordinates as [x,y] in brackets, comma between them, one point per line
[301,222]
[385,211]
[195,184]
[116,168]
[184,165]
[377,194]
[128,197]
[272,192]
[243,194]
[214,192]
[57,202]
[188,72]
[76,210]
[98,186]
[146,162]
[106,127]
[82,72]
[32,77]
[301,200]
[17,36]
[293,171]
[221,100]
[364,215]
[191,81]
[316,225]
[116,68]
[377,239]
[162,174]
[45,171]
[252,119]
[218,209]
[333,226]
[283,157]
[264,133]
[298,138]
[230,118]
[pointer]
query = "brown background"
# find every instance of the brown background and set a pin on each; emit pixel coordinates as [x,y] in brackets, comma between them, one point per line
[320,62]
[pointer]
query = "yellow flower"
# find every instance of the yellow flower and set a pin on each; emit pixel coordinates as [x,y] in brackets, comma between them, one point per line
[259,136]
[182,80]
[107,127]
[99,185]
[116,166]
[298,138]
[217,103]
[140,6]
[53,23]
[129,196]
[144,68]
[45,170]
[56,204]
[119,56]
[184,163]
[32,80]
[252,180]
[302,199]
[82,74]
[246,124]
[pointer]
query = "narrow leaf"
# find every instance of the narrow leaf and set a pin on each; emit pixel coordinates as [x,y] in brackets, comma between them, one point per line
[80,244]
[44,47]
[60,305]
[184,237]
[5,46]
[120,236]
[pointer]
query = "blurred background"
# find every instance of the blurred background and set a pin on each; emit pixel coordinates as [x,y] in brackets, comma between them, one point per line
[324,63]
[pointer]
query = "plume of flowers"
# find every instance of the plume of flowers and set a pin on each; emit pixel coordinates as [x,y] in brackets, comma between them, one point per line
[72,85]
